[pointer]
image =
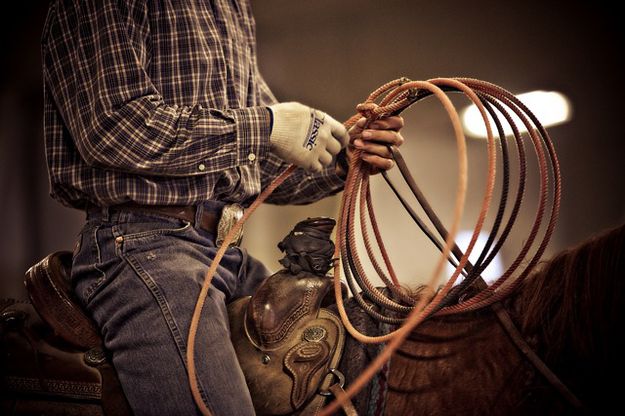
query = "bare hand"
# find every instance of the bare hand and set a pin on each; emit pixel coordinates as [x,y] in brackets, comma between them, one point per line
[374,141]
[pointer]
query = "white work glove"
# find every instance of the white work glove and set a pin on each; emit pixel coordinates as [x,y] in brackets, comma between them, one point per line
[304,136]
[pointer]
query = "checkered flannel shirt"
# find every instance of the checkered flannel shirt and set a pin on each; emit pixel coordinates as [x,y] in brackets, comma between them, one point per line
[160,105]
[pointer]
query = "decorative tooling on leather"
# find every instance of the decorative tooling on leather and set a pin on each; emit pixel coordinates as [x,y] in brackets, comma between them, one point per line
[50,292]
[302,362]
[296,292]
[282,301]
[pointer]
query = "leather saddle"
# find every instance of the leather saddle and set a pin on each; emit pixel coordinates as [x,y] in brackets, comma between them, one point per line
[288,345]
[51,354]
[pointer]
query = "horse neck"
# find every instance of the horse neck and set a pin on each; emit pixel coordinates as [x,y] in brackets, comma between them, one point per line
[572,305]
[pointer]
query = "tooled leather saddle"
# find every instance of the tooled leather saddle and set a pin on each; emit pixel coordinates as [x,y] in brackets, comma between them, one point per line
[288,345]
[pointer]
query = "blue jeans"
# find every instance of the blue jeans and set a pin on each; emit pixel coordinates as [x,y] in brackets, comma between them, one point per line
[138,276]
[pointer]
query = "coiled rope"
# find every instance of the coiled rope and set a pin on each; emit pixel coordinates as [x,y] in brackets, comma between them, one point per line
[406,308]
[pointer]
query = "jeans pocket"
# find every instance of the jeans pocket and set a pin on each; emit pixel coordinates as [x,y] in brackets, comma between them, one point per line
[140,232]
[87,273]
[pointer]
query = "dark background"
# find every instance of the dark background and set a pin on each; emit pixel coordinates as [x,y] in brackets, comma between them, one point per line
[331,54]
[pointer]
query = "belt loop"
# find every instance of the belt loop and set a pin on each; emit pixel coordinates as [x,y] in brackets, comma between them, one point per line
[199,211]
[106,214]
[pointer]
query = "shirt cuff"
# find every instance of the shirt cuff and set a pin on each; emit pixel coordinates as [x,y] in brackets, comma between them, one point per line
[253,127]
[330,181]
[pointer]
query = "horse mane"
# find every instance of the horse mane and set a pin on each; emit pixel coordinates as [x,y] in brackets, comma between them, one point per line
[575,300]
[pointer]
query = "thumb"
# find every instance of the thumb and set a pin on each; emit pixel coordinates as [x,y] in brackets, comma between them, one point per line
[358,127]
[338,130]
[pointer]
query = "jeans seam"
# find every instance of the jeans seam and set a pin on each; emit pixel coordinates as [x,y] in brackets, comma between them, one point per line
[241,273]
[167,315]
[91,289]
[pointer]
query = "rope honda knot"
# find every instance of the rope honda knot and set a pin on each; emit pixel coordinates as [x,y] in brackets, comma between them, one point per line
[368,110]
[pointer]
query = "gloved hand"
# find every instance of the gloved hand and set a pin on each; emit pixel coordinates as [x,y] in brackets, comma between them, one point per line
[304,136]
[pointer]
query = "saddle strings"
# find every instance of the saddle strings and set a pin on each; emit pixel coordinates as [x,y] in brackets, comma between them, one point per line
[396,96]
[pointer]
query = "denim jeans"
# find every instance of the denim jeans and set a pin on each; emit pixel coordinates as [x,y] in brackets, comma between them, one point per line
[138,276]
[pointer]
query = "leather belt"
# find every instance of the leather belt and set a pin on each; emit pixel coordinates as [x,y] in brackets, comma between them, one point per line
[217,224]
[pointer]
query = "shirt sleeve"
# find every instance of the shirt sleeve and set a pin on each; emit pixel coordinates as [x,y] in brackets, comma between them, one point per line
[266,96]
[301,187]
[94,58]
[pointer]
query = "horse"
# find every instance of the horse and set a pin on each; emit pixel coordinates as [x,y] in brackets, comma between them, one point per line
[569,311]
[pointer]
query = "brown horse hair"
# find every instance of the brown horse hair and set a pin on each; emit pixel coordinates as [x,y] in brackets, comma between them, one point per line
[574,302]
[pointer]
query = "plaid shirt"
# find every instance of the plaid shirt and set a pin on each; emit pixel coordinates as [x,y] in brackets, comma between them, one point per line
[160,105]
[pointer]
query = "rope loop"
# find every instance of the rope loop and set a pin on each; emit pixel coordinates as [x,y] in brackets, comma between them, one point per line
[471,292]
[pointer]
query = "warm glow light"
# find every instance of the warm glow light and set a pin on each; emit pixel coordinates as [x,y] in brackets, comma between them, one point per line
[495,267]
[550,107]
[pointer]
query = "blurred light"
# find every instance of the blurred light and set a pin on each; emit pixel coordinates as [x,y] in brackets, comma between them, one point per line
[495,267]
[550,107]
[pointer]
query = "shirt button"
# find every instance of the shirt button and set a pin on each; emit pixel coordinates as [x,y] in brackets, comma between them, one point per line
[251,157]
[202,167]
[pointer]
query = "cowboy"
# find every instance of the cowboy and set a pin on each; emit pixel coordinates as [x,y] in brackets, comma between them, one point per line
[160,127]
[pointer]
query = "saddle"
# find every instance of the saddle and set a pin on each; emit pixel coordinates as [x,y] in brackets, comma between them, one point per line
[51,354]
[288,345]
